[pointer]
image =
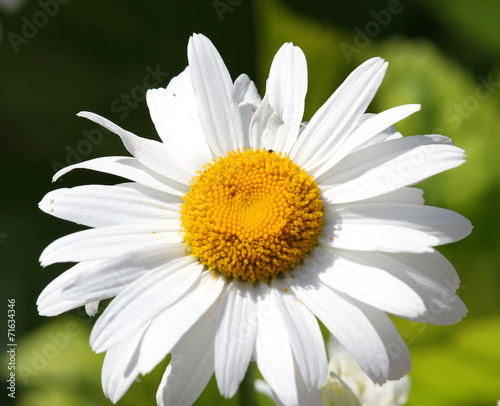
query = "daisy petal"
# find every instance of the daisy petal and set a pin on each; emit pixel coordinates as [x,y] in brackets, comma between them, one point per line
[393,227]
[396,352]
[214,90]
[408,195]
[273,353]
[388,166]
[277,120]
[390,133]
[178,130]
[245,91]
[51,302]
[335,120]
[367,130]
[405,195]
[393,282]
[119,369]
[191,366]
[166,284]
[441,305]
[304,334]
[247,99]
[235,337]
[362,330]
[434,265]
[178,318]
[152,154]
[107,242]
[108,278]
[99,205]
[353,275]
[306,396]
[182,87]
[92,308]
[132,169]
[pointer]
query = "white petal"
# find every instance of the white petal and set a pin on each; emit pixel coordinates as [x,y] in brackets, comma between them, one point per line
[214,90]
[408,195]
[245,91]
[335,120]
[107,242]
[390,133]
[304,334]
[99,205]
[143,300]
[305,395]
[388,166]
[235,337]
[179,132]
[434,265]
[258,124]
[182,87]
[393,227]
[365,332]
[119,369]
[92,308]
[396,351]
[405,195]
[441,305]
[359,278]
[247,98]
[132,169]
[178,318]
[152,154]
[285,94]
[191,366]
[365,132]
[262,387]
[108,278]
[273,353]
[51,301]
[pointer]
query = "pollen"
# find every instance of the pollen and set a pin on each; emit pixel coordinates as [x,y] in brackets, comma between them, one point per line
[252,215]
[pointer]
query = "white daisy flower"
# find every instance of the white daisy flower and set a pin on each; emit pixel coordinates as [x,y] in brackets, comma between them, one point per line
[348,385]
[242,228]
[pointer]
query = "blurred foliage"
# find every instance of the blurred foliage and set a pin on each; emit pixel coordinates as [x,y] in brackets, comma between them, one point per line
[461,370]
[442,54]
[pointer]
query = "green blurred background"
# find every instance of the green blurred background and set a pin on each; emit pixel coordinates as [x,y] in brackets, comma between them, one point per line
[60,57]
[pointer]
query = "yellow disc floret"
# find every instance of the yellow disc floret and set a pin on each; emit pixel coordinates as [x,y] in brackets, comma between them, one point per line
[252,215]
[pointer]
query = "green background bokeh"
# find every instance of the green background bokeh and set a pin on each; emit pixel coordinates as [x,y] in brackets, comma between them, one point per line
[93,55]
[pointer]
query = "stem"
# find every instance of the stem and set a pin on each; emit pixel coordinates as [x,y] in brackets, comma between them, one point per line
[246,392]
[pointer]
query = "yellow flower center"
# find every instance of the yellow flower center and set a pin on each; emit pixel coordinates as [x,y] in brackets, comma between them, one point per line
[252,215]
